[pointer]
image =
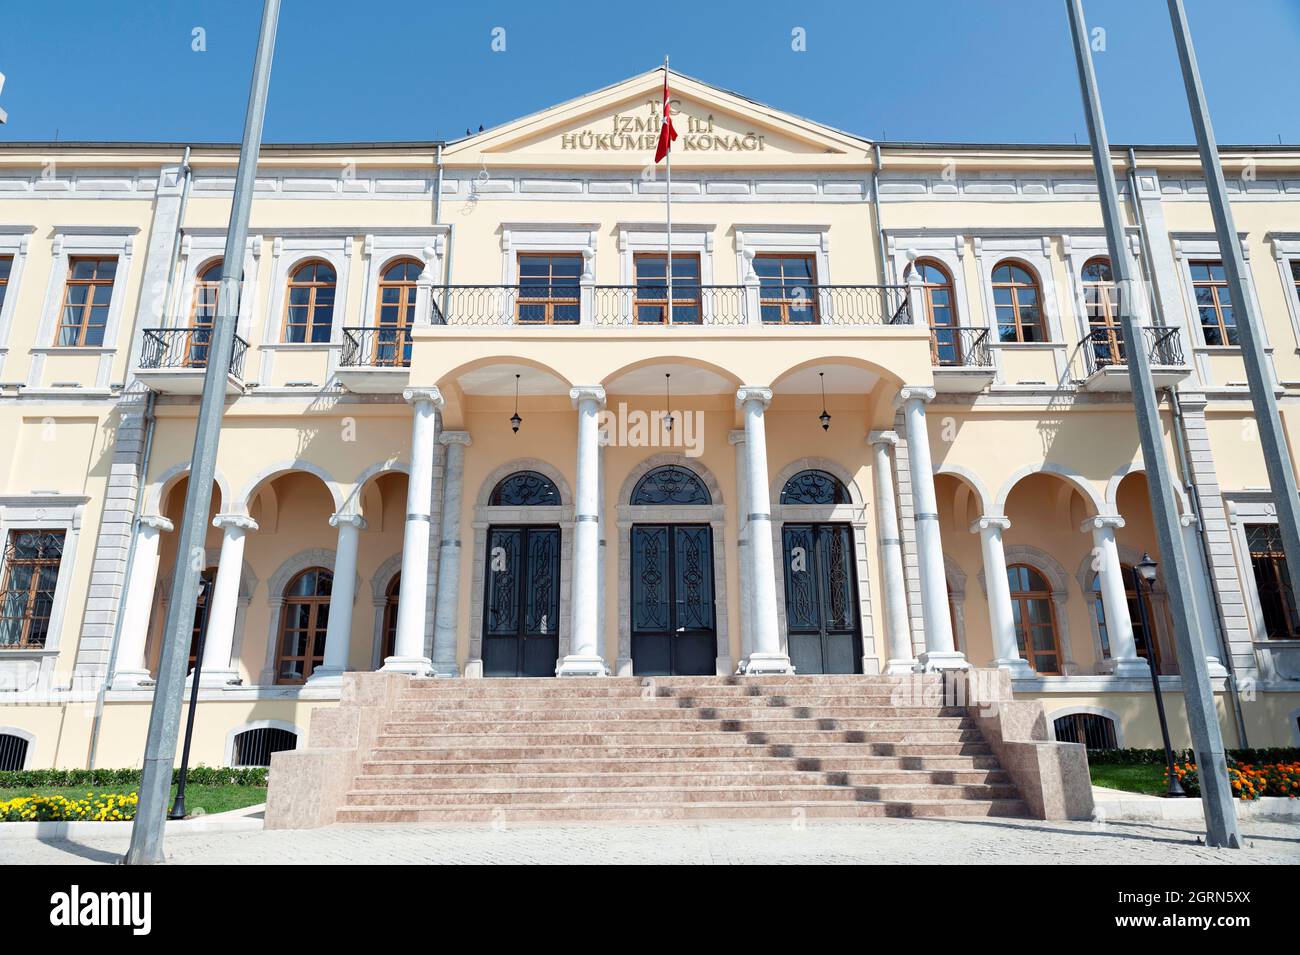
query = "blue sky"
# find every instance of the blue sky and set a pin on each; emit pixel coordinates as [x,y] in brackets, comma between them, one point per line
[946,70]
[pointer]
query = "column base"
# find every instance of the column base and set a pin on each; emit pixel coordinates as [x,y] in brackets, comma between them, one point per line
[577,665]
[416,666]
[132,680]
[623,667]
[473,670]
[1134,668]
[901,667]
[445,670]
[762,664]
[932,660]
[1215,668]
[326,676]
[1019,668]
[216,679]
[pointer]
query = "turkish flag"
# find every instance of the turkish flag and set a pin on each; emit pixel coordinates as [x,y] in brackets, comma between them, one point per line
[666,132]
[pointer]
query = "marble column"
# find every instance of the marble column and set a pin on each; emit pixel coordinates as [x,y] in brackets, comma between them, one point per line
[584,657]
[737,439]
[343,592]
[1002,624]
[131,669]
[902,658]
[940,650]
[765,654]
[1124,661]
[408,651]
[218,669]
[447,602]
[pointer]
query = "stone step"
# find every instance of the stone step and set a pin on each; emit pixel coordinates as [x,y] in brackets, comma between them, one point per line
[679,724]
[735,764]
[656,710]
[490,690]
[419,799]
[479,750]
[581,778]
[634,812]
[703,736]
[620,682]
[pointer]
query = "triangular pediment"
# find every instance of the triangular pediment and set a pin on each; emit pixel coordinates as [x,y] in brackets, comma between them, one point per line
[618,127]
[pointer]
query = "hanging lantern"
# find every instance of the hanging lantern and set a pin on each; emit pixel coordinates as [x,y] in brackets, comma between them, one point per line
[824,417]
[515,420]
[668,402]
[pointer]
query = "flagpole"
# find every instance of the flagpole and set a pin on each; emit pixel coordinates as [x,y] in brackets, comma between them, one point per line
[668,195]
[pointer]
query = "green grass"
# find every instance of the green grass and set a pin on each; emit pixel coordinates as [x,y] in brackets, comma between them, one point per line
[210,799]
[1146,778]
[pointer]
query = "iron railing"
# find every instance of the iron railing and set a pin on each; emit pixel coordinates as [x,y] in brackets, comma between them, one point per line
[1105,347]
[186,348]
[376,346]
[647,304]
[960,346]
[846,305]
[550,304]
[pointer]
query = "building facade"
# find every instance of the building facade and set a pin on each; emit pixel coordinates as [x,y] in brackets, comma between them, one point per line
[882,422]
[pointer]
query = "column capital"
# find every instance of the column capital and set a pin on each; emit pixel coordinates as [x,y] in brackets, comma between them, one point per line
[882,437]
[581,393]
[923,393]
[455,437]
[736,436]
[241,521]
[1099,521]
[356,520]
[989,522]
[415,396]
[748,393]
[156,521]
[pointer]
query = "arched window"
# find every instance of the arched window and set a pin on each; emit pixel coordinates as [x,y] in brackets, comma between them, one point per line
[302,625]
[1091,729]
[524,489]
[1019,303]
[203,312]
[1034,616]
[1140,635]
[309,308]
[396,313]
[253,747]
[670,485]
[13,752]
[940,312]
[814,487]
[390,615]
[1101,302]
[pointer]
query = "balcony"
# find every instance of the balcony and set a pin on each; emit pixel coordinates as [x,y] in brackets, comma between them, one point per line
[961,357]
[175,361]
[375,359]
[693,304]
[1105,367]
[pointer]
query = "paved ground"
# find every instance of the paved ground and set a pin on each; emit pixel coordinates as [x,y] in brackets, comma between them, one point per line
[982,841]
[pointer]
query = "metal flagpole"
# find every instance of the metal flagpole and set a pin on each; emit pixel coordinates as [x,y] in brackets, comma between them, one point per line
[1198,692]
[164,716]
[1281,474]
[668,194]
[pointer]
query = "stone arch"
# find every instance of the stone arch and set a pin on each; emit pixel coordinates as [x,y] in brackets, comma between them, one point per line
[235,731]
[1136,467]
[670,358]
[352,499]
[882,373]
[646,465]
[1071,477]
[973,481]
[379,582]
[833,468]
[29,755]
[1076,708]
[162,485]
[267,474]
[549,471]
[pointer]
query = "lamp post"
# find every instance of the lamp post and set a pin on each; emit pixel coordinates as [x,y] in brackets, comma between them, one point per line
[205,601]
[1146,576]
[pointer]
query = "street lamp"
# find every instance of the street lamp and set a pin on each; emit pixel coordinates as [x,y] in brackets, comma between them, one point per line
[1146,576]
[205,601]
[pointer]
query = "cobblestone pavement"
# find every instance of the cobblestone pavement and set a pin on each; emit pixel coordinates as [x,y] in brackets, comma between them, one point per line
[982,841]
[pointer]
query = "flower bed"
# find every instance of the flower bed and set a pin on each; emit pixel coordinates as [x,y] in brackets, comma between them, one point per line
[109,807]
[1249,780]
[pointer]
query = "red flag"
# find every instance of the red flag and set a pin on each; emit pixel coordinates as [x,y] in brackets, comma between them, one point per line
[666,132]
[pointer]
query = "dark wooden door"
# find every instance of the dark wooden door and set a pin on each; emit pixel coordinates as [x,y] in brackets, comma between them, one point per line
[673,628]
[821,598]
[521,606]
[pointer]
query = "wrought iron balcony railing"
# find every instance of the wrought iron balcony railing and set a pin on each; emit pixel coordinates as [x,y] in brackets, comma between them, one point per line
[647,304]
[377,346]
[960,346]
[548,304]
[186,348]
[1105,348]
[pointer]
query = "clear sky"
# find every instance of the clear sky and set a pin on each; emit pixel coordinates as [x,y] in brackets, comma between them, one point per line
[942,70]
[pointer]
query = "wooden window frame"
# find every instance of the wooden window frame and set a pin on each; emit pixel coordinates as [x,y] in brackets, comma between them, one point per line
[696,301]
[1111,347]
[1220,295]
[1035,283]
[400,342]
[784,302]
[1024,631]
[32,590]
[91,284]
[5,277]
[1271,562]
[928,289]
[199,337]
[315,602]
[309,324]
[550,301]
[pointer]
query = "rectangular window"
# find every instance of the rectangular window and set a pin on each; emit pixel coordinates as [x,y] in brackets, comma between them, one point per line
[1272,582]
[85,301]
[6,267]
[31,569]
[548,288]
[651,307]
[787,289]
[1213,303]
